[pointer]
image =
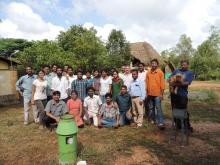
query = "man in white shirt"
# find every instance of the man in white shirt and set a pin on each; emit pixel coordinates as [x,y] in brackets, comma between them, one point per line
[60,83]
[127,76]
[142,72]
[92,105]
[70,76]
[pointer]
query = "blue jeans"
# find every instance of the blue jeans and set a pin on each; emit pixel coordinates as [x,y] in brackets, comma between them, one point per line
[108,122]
[122,118]
[155,109]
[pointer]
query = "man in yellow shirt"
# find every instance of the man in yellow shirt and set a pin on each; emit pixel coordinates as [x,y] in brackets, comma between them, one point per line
[155,85]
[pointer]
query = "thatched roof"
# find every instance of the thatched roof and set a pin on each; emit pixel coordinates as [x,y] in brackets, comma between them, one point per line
[144,52]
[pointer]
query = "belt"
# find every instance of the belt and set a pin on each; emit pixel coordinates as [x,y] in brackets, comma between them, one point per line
[134,97]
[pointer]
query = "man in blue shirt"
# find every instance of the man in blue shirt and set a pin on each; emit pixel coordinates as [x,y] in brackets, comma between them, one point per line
[124,103]
[180,99]
[24,87]
[138,93]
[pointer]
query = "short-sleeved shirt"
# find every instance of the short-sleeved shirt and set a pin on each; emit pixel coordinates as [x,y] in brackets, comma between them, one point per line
[74,106]
[109,111]
[124,102]
[40,89]
[80,86]
[56,109]
[92,103]
[187,76]
[104,85]
[127,78]
[89,82]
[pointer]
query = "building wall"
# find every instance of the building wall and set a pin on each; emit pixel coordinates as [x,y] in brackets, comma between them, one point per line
[7,82]
[4,65]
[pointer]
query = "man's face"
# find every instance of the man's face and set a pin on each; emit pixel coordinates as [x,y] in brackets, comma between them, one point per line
[88,75]
[59,72]
[28,70]
[70,72]
[134,75]
[141,67]
[108,99]
[90,92]
[127,69]
[54,68]
[79,75]
[123,90]
[46,70]
[96,73]
[184,65]
[65,68]
[56,97]
[154,65]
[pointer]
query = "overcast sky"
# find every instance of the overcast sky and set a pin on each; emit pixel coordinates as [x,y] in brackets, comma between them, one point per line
[159,22]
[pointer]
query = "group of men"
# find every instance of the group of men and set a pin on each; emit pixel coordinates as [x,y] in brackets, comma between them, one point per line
[141,93]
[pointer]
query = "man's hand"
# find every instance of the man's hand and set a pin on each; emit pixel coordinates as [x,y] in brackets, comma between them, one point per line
[141,102]
[32,101]
[57,119]
[21,93]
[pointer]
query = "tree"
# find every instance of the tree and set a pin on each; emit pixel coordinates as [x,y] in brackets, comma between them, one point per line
[118,49]
[45,52]
[85,46]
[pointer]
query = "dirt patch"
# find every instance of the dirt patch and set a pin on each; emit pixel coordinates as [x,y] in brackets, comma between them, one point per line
[140,156]
[206,127]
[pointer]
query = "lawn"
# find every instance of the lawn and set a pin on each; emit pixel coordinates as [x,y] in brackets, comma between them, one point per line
[21,144]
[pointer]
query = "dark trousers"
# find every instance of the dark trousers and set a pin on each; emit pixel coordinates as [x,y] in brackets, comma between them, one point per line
[47,121]
[180,102]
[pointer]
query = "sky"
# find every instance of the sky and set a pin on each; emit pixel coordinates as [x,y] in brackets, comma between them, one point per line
[159,22]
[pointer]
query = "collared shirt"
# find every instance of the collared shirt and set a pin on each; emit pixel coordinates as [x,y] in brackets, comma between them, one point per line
[96,85]
[127,78]
[137,88]
[142,75]
[60,85]
[24,84]
[70,79]
[80,86]
[155,82]
[124,102]
[49,78]
[89,82]
[187,76]
[109,111]
[52,74]
[57,109]
[92,103]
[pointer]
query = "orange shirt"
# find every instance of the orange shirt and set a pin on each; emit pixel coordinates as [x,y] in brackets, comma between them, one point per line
[155,82]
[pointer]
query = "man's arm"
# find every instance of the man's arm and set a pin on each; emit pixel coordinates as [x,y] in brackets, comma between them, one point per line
[33,92]
[48,112]
[19,86]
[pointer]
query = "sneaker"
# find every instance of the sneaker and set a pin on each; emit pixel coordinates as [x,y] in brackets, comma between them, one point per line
[26,123]
[36,120]
[161,126]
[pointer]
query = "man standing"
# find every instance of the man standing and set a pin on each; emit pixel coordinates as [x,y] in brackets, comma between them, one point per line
[60,83]
[80,85]
[180,99]
[24,87]
[55,108]
[53,70]
[127,77]
[142,72]
[48,77]
[138,94]
[70,78]
[155,88]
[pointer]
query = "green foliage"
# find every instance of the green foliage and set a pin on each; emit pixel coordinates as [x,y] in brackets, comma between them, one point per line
[8,45]
[45,52]
[87,48]
[118,49]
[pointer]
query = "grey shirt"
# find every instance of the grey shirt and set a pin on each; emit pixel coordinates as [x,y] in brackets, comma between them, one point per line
[57,109]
